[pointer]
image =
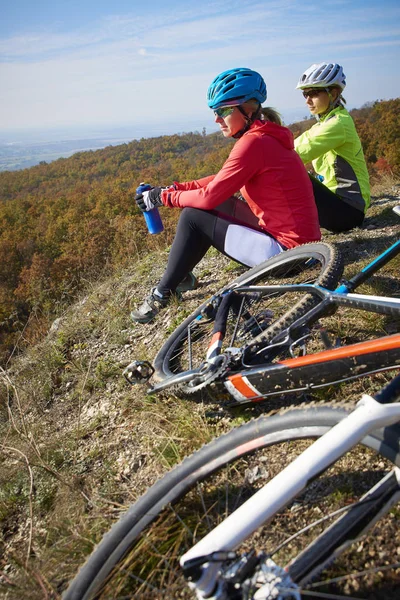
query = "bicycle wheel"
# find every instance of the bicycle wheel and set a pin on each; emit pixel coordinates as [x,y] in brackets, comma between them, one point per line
[139,557]
[186,347]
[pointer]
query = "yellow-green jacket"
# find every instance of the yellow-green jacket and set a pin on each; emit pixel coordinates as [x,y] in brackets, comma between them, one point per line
[334,148]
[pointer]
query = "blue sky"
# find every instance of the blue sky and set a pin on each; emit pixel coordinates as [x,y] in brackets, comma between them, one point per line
[96,65]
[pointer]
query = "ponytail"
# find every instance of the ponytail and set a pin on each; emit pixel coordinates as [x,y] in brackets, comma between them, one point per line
[259,113]
[270,114]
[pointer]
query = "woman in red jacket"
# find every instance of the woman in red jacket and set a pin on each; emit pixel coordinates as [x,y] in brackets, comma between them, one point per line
[276,209]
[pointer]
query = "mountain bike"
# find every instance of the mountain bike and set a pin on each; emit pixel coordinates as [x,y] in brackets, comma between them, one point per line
[248,340]
[266,512]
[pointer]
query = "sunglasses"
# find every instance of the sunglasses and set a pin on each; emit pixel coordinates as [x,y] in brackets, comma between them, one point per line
[312,93]
[225,111]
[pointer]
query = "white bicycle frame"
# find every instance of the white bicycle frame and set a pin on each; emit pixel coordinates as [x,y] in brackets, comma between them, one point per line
[276,494]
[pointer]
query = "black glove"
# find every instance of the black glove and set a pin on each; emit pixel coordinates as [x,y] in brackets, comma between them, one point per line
[148,200]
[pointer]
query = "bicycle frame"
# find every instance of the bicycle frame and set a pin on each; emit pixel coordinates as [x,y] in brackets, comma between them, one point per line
[329,367]
[368,415]
[249,383]
[322,368]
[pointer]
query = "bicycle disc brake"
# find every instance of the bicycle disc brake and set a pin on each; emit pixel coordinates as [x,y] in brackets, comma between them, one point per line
[273,582]
[259,578]
[248,576]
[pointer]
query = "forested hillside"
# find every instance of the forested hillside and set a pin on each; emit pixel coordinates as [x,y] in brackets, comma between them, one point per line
[68,222]
[64,224]
[79,444]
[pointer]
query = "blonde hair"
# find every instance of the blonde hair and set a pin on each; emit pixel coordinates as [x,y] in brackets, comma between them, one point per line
[340,101]
[270,114]
[262,113]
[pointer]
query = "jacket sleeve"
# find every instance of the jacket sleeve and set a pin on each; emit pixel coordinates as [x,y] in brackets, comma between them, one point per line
[193,185]
[243,162]
[321,138]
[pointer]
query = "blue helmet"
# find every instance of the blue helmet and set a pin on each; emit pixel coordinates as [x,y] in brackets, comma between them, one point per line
[236,86]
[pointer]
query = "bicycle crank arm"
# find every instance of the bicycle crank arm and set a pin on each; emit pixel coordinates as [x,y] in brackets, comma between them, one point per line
[141,371]
[176,380]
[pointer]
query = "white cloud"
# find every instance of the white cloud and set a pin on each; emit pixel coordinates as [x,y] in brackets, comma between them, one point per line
[132,67]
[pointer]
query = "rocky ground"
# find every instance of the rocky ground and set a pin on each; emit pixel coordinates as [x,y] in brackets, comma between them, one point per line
[79,444]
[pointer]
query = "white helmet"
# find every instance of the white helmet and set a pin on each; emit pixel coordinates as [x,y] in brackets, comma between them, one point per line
[322,75]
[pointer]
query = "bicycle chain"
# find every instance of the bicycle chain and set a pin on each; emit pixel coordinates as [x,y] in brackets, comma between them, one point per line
[202,381]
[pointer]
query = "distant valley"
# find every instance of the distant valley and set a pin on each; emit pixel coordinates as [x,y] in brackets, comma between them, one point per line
[21,155]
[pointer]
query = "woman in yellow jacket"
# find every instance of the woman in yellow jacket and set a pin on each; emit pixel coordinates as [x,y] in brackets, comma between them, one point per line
[341,185]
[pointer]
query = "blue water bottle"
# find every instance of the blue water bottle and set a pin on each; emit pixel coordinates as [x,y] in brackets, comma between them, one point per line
[152,217]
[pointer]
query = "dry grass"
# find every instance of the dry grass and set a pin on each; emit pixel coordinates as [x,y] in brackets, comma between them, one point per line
[79,444]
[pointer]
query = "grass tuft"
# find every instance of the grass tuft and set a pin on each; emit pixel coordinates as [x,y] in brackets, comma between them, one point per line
[91,444]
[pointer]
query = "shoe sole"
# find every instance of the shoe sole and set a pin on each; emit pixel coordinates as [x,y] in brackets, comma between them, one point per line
[141,320]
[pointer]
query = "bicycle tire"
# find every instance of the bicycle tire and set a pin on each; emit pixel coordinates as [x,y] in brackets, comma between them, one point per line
[153,571]
[286,267]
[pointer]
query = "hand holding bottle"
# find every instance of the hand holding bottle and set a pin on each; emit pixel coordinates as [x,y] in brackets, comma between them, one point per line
[148,198]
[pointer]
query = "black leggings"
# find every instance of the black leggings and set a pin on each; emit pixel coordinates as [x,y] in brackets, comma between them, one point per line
[197,230]
[334,213]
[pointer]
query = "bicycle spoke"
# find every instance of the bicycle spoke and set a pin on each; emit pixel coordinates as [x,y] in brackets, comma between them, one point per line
[236,325]
[182,522]
[253,314]
[211,484]
[318,522]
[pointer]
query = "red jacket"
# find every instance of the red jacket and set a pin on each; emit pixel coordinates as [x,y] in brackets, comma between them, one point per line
[271,177]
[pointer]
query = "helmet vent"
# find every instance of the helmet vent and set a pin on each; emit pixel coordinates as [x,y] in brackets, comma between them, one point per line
[322,75]
[236,86]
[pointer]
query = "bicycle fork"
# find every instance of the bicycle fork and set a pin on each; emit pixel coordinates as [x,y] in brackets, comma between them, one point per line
[276,494]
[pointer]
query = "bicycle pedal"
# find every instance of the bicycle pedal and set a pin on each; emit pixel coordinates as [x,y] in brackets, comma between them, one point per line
[138,371]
